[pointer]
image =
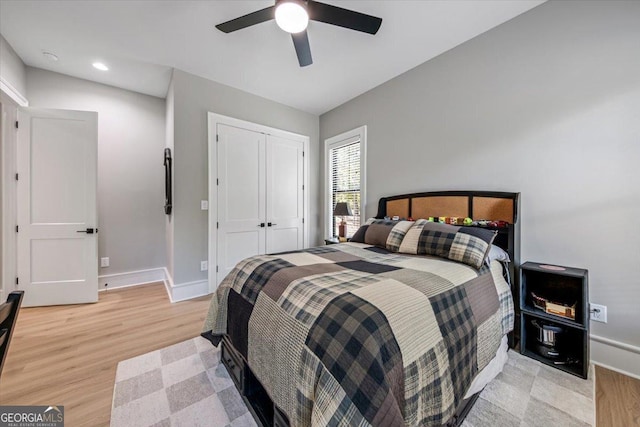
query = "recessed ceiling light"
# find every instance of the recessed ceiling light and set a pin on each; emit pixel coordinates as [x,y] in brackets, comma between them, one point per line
[100,66]
[50,56]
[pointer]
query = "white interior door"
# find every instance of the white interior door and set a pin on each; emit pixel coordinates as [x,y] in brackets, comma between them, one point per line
[285,191]
[57,167]
[241,196]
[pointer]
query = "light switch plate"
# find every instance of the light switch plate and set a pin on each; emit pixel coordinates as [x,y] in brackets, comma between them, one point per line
[104,262]
[204,265]
[204,205]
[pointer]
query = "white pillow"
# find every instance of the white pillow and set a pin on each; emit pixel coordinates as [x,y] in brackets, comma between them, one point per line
[496,253]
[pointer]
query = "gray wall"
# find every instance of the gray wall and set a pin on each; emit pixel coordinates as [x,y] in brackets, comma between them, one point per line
[131,138]
[193,98]
[12,68]
[547,104]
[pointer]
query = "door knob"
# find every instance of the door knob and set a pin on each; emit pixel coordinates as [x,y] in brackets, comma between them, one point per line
[261,224]
[88,231]
[270,224]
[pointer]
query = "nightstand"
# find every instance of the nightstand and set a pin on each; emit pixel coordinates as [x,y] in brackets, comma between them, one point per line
[554,316]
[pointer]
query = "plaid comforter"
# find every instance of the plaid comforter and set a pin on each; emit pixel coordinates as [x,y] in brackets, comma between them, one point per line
[355,335]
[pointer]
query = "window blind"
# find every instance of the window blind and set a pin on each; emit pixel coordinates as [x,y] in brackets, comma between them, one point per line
[345,183]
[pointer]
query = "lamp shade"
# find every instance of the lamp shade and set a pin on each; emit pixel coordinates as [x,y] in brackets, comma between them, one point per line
[342,209]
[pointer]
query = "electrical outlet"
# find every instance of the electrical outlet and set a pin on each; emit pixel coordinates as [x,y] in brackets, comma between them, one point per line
[598,312]
[204,205]
[204,265]
[104,262]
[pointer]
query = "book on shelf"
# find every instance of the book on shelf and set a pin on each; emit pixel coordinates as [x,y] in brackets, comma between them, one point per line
[555,308]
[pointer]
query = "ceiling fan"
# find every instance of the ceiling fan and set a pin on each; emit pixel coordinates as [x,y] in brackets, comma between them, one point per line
[293,17]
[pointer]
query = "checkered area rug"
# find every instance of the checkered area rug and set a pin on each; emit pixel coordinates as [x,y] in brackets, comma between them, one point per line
[181,385]
[186,385]
[529,394]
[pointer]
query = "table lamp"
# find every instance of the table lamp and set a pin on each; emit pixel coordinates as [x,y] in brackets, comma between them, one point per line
[342,209]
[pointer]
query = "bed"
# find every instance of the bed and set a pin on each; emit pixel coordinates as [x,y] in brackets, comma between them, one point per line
[377,331]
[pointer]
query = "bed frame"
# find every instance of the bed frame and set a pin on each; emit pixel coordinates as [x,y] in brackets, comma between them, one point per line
[478,205]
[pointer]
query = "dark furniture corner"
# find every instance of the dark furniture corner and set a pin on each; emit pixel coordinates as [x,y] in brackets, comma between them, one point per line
[8,316]
[261,406]
[564,285]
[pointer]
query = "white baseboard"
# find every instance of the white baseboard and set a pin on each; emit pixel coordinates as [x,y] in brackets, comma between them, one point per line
[189,290]
[615,355]
[176,293]
[131,278]
[168,283]
[185,291]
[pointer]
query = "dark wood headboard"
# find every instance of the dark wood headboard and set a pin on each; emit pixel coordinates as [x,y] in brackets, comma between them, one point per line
[477,205]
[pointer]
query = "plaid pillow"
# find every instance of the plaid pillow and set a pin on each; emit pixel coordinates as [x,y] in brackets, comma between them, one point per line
[469,245]
[384,233]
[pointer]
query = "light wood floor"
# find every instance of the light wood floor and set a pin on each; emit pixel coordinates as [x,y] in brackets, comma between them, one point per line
[67,355]
[617,399]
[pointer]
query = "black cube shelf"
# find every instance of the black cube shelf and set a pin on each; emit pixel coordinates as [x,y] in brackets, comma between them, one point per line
[564,286]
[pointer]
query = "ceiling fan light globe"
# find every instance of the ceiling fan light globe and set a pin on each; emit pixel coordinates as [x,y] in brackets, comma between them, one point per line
[291,17]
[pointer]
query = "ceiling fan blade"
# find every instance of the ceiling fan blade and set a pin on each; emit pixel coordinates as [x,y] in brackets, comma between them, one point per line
[343,17]
[245,21]
[303,50]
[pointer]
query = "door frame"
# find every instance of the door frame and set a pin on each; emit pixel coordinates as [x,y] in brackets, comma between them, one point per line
[9,202]
[213,119]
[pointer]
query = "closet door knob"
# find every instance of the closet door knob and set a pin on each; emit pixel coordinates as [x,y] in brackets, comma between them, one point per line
[87,230]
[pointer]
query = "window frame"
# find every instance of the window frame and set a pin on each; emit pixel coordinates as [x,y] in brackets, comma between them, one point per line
[338,141]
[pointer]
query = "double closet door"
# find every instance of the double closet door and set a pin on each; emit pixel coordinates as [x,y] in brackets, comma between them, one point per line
[260,202]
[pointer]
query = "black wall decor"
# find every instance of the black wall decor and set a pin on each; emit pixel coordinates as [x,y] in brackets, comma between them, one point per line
[167,181]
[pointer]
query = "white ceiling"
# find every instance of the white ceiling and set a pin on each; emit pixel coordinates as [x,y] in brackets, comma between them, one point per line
[142,40]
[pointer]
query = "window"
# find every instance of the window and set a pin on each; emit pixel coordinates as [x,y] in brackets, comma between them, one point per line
[344,157]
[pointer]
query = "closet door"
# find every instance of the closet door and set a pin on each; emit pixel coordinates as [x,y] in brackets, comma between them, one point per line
[285,190]
[241,196]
